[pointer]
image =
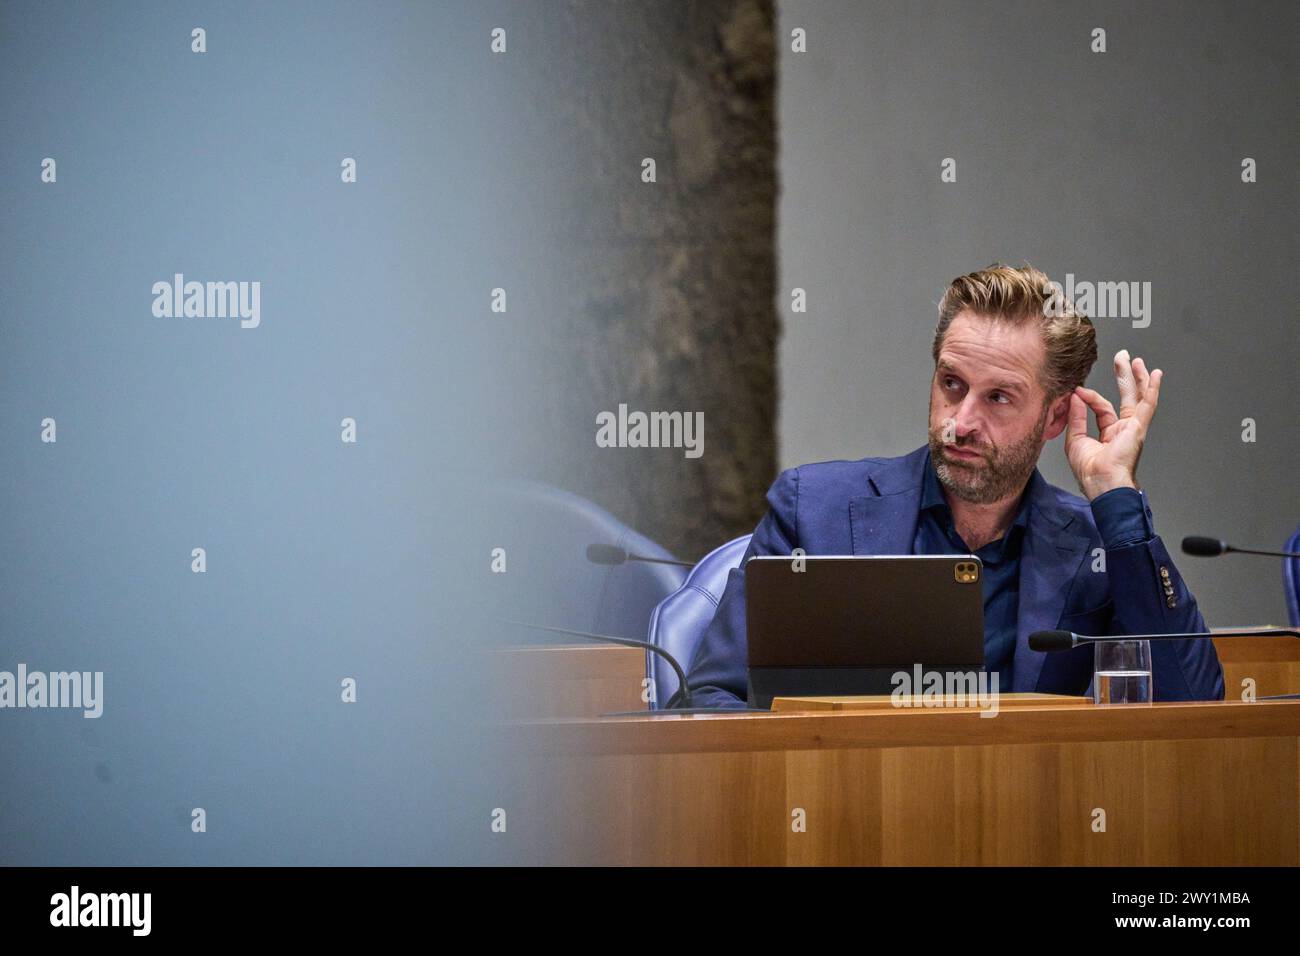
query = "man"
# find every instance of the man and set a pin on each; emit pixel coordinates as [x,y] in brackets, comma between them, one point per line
[1010,362]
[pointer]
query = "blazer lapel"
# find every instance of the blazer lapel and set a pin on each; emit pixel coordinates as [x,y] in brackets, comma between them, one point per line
[885,522]
[884,525]
[1049,561]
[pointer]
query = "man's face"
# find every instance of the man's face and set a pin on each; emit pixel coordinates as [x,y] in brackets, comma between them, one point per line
[989,415]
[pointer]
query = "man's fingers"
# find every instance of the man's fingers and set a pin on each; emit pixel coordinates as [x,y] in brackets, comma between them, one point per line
[1128,392]
[1076,424]
[1150,397]
[1141,376]
[1100,406]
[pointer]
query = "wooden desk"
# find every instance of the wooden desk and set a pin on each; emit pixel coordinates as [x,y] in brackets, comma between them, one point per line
[567,680]
[587,680]
[1179,784]
[1272,663]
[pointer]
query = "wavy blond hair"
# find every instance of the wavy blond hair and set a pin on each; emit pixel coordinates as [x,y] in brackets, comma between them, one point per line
[1023,295]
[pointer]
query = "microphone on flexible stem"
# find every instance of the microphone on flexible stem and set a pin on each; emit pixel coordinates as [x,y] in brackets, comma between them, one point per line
[1212,547]
[683,694]
[1052,641]
[613,554]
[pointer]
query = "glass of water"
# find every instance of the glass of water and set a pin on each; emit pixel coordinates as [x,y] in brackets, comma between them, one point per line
[1122,672]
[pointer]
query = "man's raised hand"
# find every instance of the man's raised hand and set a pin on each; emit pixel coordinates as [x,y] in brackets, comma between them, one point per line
[1110,461]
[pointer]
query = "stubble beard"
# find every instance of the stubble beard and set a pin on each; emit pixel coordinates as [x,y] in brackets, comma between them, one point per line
[1003,473]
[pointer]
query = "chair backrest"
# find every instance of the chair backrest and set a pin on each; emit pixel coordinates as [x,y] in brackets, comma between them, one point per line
[545,531]
[1291,578]
[678,623]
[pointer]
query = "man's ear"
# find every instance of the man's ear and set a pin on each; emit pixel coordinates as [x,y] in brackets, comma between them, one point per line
[1058,416]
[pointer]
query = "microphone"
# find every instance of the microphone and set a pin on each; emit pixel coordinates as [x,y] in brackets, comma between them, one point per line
[683,694]
[613,554]
[1050,642]
[1212,547]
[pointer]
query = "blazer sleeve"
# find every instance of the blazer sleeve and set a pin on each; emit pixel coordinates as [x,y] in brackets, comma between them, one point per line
[1150,597]
[718,672]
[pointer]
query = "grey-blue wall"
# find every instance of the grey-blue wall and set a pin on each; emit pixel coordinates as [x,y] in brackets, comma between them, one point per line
[326,560]
[1123,165]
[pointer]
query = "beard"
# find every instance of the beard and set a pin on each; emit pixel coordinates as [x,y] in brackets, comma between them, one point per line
[1003,472]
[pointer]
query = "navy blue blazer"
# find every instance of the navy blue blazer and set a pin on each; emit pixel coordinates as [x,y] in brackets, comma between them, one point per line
[872,507]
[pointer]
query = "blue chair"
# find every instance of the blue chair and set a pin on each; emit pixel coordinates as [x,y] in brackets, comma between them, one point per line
[678,623]
[549,580]
[1291,576]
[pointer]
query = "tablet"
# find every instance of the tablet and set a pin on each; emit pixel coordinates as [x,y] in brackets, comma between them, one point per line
[830,625]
